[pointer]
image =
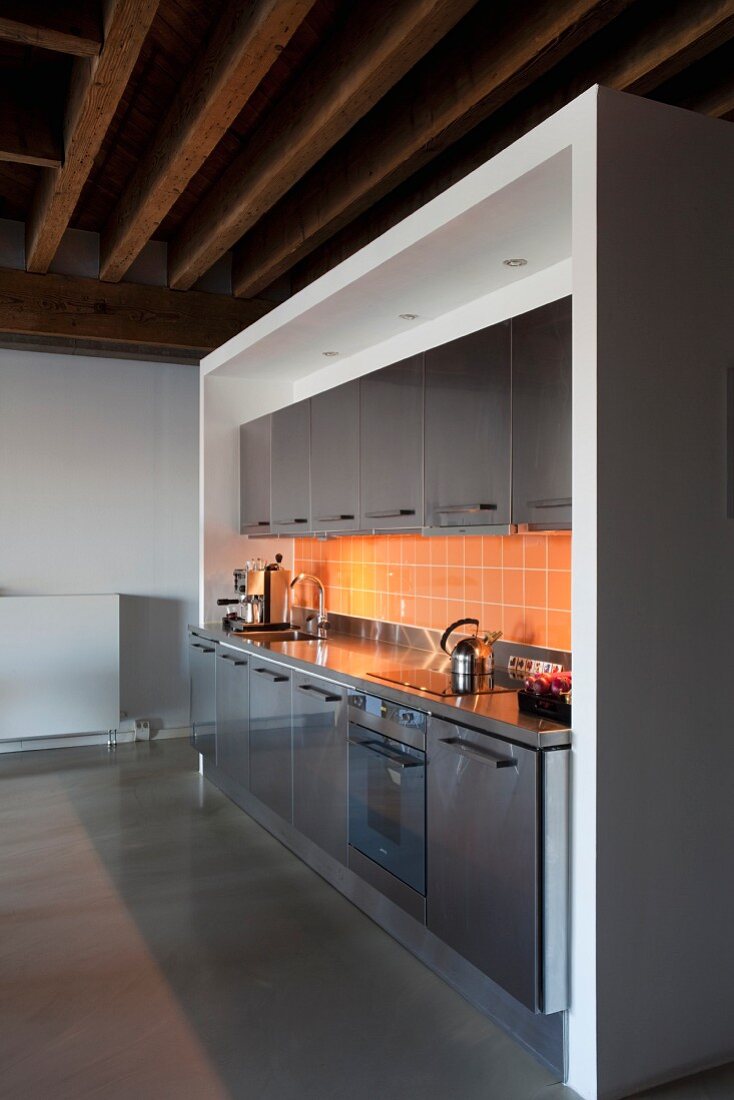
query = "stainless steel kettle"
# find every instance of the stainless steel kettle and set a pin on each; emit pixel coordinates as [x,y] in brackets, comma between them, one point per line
[470,657]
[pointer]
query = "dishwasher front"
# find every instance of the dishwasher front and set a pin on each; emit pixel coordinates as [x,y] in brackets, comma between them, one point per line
[489,856]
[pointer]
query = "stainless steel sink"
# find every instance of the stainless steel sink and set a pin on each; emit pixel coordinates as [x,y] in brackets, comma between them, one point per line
[274,635]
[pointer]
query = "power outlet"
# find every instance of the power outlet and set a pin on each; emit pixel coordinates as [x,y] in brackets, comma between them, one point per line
[142,729]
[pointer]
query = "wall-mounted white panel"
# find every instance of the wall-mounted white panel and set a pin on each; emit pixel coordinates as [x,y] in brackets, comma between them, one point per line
[59,665]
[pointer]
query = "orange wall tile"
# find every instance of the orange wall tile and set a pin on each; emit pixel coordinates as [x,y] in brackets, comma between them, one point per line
[520,584]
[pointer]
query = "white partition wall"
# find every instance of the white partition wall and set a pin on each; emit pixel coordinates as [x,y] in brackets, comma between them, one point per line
[665,594]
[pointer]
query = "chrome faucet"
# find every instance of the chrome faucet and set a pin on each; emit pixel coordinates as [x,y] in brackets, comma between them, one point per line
[322,623]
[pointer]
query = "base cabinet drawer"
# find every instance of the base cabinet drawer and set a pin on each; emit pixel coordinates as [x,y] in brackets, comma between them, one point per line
[320,763]
[233,716]
[271,741]
[482,814]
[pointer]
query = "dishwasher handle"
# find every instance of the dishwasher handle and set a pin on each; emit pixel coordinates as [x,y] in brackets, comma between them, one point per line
[475,753]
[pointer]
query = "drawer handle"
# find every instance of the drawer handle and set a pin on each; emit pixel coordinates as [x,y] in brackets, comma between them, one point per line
[481,755]
[277,679]
[325,695]
[391,514]
[203,648]
[395,758]
[465,509]
[334,519]
[560,502]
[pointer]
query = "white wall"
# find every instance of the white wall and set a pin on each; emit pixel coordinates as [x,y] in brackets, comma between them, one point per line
[98,494]
[665,742]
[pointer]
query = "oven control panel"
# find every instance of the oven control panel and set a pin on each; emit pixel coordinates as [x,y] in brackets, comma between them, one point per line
[396,713]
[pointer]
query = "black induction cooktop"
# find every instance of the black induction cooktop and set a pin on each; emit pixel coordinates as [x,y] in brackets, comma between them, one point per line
[440,682]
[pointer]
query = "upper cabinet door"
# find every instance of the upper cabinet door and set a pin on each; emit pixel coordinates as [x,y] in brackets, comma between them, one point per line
[255,477]
[541,416]
[468,430]
[391,443]
[335,459]
[290,488]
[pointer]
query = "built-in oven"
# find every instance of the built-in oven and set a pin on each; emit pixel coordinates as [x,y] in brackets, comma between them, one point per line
[387,799]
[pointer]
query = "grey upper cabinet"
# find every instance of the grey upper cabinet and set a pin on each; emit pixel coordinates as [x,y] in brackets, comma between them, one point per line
[290,464]
[255,477]
[391,446]
[320,763]
[233,715]
[335,459]
[541,416]
[468,430]
[271,748]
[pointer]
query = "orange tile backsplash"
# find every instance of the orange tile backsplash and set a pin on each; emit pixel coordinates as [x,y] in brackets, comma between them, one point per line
[520,584]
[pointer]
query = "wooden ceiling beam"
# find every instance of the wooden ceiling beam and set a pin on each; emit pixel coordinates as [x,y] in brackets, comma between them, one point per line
[71,27]
[97,85]
[243,47]
[390,146]
[475,75]
[356,66]
[68,307]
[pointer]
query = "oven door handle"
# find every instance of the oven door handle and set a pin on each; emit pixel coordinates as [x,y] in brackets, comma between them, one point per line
[398,759]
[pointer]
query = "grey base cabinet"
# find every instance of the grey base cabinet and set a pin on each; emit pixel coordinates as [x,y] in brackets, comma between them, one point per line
[320,763]
[233,716]
[483,870]
[271,745]
[201,700]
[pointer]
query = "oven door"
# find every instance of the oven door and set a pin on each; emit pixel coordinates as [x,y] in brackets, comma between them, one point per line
[387,804]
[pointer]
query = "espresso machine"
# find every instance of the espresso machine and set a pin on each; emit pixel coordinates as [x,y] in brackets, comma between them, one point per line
[261,599]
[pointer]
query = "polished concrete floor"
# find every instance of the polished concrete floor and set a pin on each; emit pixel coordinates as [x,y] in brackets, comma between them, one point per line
[157,943]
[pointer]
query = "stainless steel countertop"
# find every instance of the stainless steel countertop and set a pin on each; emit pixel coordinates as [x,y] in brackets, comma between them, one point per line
[348,660]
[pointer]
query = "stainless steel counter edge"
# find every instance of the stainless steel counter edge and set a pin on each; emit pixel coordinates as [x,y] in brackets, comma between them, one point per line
[493,714]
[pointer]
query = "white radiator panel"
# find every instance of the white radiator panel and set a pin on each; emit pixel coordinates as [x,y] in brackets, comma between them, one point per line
[59,665]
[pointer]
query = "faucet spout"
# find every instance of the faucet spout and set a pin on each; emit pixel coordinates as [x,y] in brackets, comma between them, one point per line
[322,623]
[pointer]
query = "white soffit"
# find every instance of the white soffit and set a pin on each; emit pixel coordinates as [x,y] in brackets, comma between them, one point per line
[445,255]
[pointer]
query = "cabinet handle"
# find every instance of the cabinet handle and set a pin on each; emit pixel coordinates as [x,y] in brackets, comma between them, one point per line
[283,522]
[203,648]
[228,657]
[481,755]
[273,675]
[255,523]
[326,695]
[333,519]
[398,760]
[390,514]
[465,509]
[560,502]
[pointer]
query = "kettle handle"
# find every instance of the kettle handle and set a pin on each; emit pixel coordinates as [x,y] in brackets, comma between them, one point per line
[450,629]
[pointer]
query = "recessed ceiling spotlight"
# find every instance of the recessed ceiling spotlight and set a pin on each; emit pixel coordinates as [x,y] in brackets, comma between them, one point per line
[517,261]
[408,316]
[329,354]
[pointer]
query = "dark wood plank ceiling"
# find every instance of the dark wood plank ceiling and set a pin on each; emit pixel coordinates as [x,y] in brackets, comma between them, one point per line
[339,121]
